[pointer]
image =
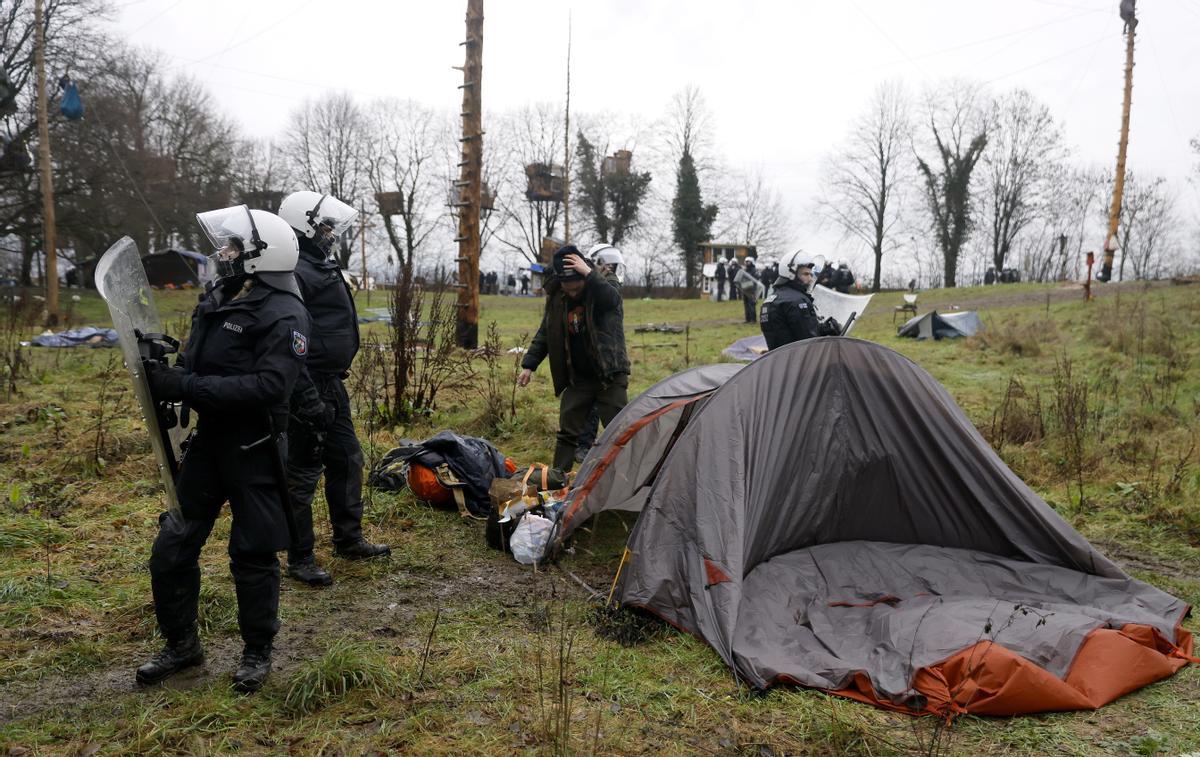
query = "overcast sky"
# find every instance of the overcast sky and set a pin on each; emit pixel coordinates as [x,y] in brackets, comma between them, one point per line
[783,78]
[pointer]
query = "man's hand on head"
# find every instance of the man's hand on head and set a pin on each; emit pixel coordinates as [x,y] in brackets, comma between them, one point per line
[578,264]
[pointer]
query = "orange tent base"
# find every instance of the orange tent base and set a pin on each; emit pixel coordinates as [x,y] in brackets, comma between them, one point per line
[987,679]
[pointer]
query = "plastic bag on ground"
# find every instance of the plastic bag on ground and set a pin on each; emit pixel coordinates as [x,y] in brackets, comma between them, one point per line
[529,540]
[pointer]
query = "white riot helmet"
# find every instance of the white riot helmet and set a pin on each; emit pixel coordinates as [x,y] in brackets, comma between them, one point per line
[606,254]
[321,218]
[251,241]
[790,264]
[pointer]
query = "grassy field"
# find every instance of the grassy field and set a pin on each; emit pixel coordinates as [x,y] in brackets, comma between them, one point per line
[450,647]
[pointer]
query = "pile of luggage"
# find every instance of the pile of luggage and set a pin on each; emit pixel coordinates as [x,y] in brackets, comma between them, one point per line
[521,505]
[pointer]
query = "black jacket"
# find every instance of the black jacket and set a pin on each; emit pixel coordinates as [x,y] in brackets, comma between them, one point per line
[788,316]
[605,318]
[330,304]
[244,354]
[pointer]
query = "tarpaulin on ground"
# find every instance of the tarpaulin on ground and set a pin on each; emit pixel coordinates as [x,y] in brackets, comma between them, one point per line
[88,336]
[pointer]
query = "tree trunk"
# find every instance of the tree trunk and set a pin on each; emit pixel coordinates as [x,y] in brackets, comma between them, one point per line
[26,262]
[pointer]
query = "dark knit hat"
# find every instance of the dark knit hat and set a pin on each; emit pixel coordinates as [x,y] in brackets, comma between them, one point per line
[560,263]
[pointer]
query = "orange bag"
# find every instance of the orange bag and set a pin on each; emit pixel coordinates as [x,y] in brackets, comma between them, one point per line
[424,483]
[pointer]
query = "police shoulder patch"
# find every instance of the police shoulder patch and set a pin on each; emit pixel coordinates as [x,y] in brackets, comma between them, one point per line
[299,344]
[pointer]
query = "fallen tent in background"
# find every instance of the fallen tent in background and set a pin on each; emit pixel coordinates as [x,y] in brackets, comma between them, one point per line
[375,315]
[934,325]
[747,348]
[666,328]
[886,553]
[174,268]
[88,336]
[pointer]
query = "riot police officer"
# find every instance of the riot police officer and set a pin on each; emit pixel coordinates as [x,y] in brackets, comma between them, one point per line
[789,314]
[324,438]
[610,263]
[247,346]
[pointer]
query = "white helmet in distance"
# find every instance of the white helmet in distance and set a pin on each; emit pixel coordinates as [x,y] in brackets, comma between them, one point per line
[251,241]
[791,263]
[319,217]
[607,255]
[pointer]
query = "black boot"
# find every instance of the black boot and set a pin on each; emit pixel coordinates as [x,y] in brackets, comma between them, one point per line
[184,652]
[307,571]
[256,663]
[361,549]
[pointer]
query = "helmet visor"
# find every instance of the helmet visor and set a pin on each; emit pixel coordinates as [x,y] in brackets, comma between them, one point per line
[333,214]
[229,227]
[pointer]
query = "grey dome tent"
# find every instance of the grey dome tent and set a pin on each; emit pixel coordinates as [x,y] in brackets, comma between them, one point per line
[619,470]
[934,325]
[831,518]
[175,268]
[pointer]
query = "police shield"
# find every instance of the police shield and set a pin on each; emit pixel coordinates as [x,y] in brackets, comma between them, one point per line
[121,281]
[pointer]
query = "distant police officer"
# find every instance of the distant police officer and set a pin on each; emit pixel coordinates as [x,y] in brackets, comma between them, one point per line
[324,437]
[247,346]
[610,263]
[789,315]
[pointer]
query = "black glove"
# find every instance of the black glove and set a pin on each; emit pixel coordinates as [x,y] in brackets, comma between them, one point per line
[166,383]
[314,452]
[316,413]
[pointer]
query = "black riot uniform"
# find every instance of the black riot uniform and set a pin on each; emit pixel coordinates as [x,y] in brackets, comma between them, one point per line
[247,347]
[788,315]
[325,440]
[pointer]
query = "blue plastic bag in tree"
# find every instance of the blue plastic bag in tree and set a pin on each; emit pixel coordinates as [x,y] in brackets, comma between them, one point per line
[72,105]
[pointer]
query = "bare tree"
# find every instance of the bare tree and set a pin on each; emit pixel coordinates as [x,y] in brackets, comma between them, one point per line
[151,153]
[1195,143]
[1052,246]
[862,183]
[688,127]
[1024,146]
[325,145]
[259,173]
[406,142]
[73,36]
[959,135]
[759,216]
[533,134]
[1146,228]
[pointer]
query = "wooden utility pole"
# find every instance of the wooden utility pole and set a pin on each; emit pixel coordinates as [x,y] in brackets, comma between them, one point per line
[567,146]
[1114,211]
[46,183]
[470,181]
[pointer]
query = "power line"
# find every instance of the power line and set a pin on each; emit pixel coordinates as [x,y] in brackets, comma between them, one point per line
[888,37]
[1049,60]
[128,174]
[282,18]
[156,16]
[1166,93]
[983,41]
